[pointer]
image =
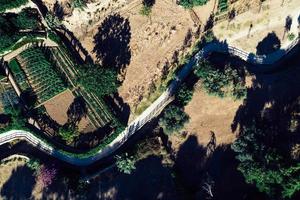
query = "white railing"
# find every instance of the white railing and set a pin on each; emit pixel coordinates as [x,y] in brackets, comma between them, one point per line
[153,110]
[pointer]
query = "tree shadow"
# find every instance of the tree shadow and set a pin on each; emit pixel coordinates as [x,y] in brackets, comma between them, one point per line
[29,98]
[76,111]
[148,3]
[20,184]
[58,10]
[209,23]
[270,94]
[196,162]
[112,42]
[150,180]
[288,23]
[119,108]
[268,45]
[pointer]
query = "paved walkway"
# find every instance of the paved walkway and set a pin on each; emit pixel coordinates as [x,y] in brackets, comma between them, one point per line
[152,111]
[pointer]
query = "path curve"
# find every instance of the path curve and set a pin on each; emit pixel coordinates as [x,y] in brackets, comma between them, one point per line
[153,110]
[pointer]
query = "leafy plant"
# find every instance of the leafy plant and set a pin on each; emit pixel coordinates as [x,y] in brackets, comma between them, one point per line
[68,133]
[125,163]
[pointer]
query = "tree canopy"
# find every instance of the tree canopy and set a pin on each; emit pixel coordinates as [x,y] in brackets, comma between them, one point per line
[98,80]
[173,119]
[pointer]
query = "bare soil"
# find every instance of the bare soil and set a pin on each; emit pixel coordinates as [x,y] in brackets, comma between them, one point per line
[153,41]
[270,17]
[211,114]
[58,106]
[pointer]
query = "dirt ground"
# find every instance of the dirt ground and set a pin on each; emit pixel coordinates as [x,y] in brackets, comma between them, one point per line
[58,106]
[209,114]
[16,180]
[271,17]
[153,40]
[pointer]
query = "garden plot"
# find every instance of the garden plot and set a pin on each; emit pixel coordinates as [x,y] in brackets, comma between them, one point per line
[44,80]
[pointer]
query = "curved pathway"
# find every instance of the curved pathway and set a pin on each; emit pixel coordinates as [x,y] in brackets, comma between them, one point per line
[152,111]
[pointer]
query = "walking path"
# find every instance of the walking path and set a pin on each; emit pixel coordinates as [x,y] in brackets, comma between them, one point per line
[152,111]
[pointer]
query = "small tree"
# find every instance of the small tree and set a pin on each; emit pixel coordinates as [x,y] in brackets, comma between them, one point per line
[184,95]
[125,163]
[68,133]
[173,119]
[147,7]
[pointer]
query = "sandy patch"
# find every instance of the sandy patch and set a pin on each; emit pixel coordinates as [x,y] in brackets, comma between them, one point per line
[210,113]
[57,109]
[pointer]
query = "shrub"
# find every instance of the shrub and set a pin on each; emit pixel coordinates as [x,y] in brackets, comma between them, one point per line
[125,163]
[184,95]
[145,10]
[68,133]
[291,36]
[173,119]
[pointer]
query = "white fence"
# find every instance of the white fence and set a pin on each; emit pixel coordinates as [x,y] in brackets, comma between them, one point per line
[152,111]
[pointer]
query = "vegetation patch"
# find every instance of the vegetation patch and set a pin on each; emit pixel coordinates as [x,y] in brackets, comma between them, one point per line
[9,4]
[191,3]
[226,82]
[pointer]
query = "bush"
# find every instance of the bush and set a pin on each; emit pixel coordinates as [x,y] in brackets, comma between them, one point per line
[145,10]
[184,95]
[173,119]
[125,163]
[291,36]
[68,133]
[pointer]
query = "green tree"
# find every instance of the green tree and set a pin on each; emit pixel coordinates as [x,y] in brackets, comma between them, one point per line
[184,95]
[262,163]
[98,80]
[173,119]
[125,163]
[68,133]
